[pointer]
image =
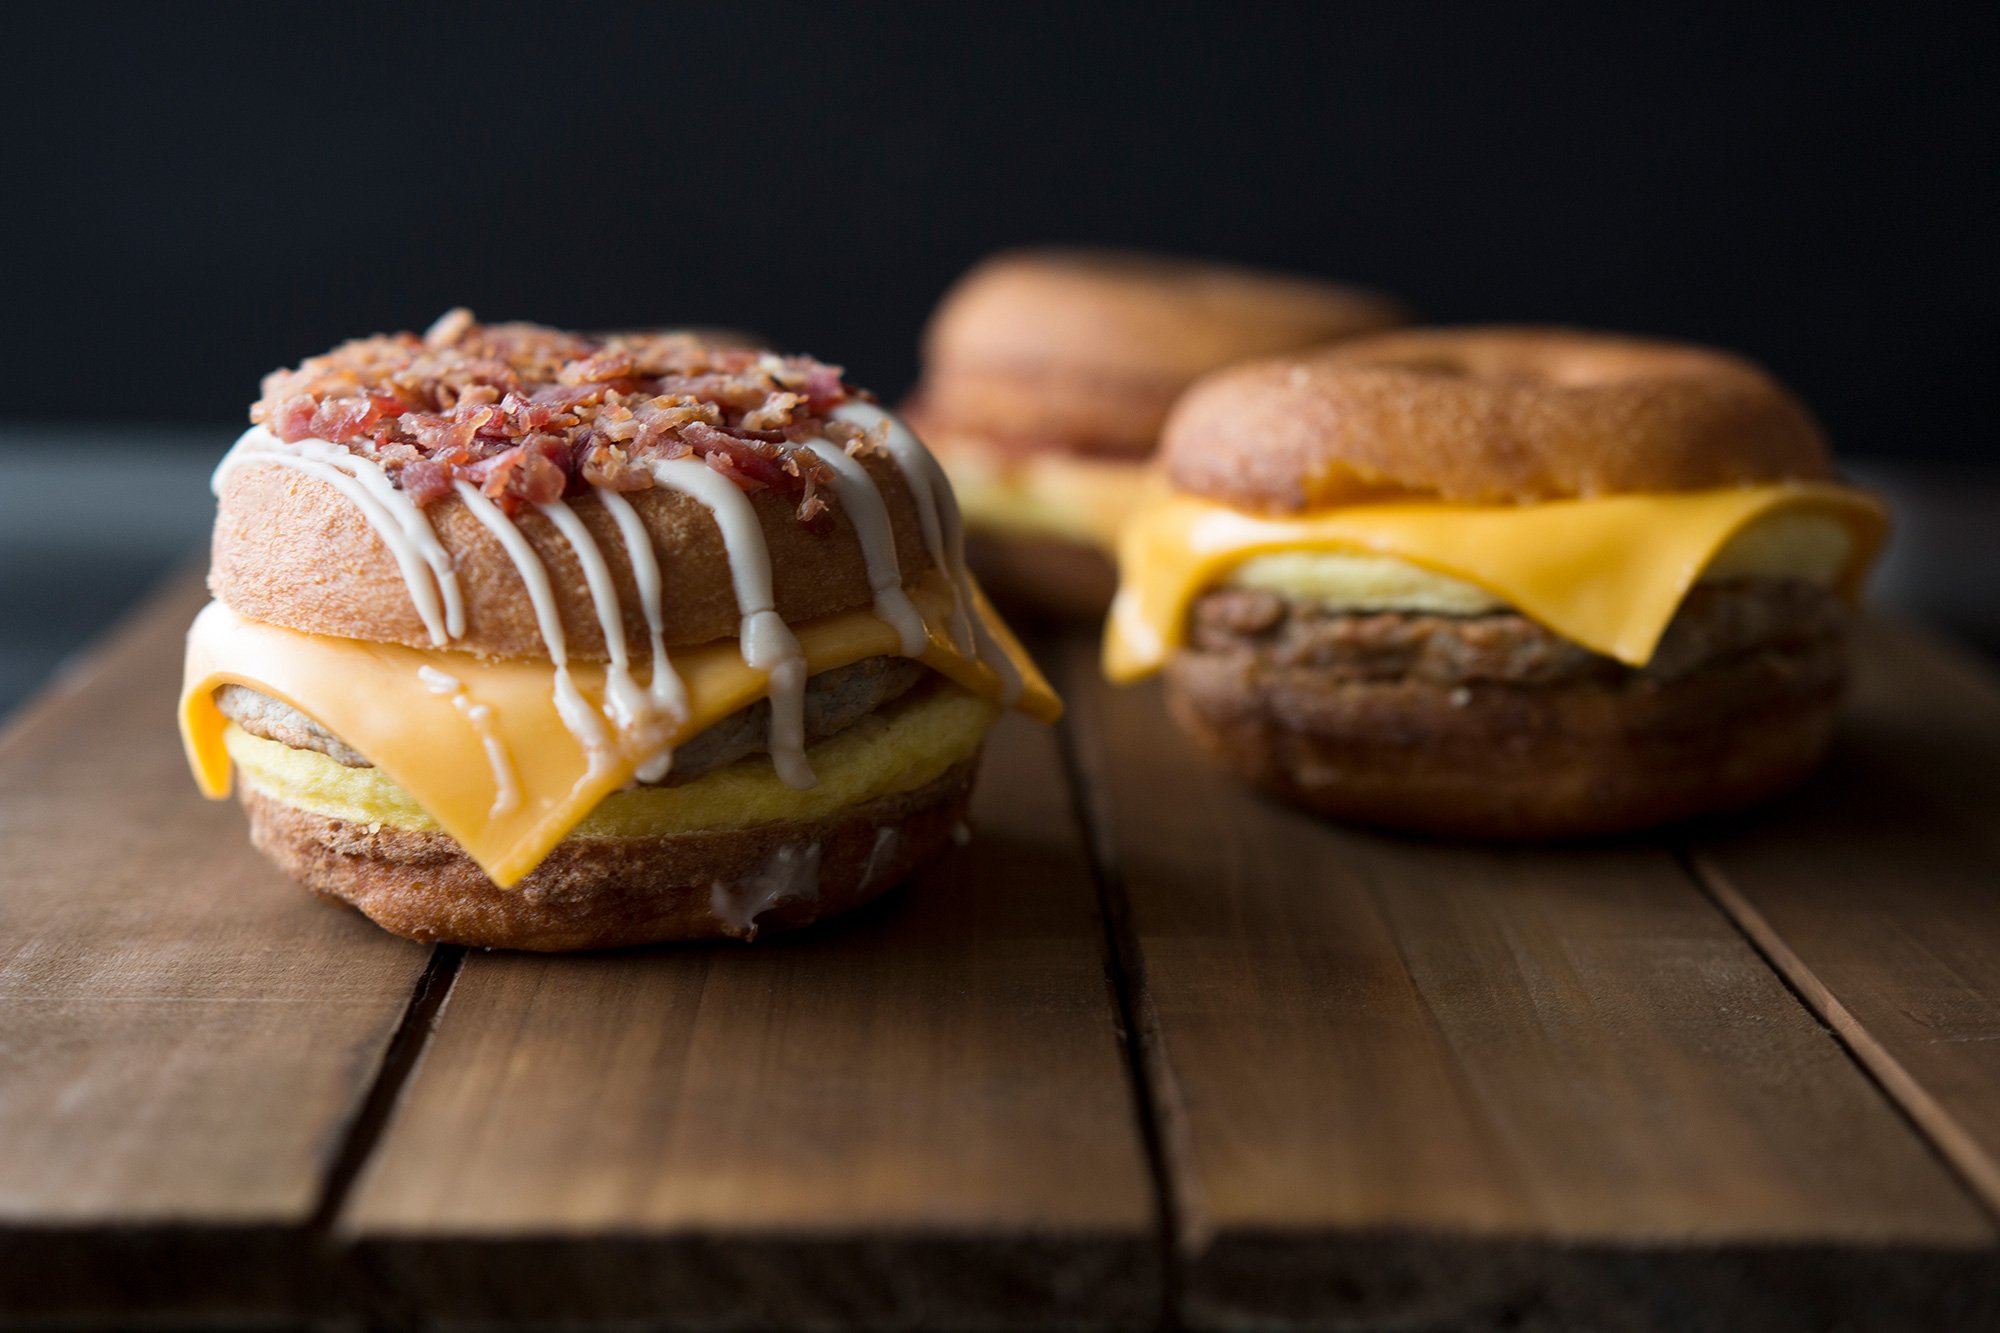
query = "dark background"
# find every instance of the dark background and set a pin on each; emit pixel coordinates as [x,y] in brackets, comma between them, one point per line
[195,196]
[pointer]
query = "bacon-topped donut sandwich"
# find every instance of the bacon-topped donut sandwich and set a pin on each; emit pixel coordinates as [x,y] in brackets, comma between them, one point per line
[1498,582]
[539,640]
[1047,374]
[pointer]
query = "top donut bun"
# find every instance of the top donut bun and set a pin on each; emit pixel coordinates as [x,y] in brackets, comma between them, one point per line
[529,416]
[1486,415]
[1086,350]
[292,551]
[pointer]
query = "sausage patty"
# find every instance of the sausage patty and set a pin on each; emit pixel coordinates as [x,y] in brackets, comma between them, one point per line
[1493,726]
[1283,635]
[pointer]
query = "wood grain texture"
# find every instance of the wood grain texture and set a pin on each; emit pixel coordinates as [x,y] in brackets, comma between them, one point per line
[1876,888]
[185,1034]
[1423,1085]
[1400,1084]
[916,1117]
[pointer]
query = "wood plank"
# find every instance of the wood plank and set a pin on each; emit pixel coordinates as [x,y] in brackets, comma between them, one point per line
[1417,1084]
[184,1035]
[1876,888]
[918,1117]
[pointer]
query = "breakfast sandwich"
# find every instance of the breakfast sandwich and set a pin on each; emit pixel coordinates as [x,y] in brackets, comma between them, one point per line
[539,640]
[1499,582]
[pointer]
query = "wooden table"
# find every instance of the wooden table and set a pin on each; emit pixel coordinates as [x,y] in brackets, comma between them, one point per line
[1150,1051]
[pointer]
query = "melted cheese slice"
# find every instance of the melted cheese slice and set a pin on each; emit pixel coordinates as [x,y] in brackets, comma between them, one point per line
[372,696]
[1607,573]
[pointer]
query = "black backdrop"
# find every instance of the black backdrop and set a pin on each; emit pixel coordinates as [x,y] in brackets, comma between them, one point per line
[194,195]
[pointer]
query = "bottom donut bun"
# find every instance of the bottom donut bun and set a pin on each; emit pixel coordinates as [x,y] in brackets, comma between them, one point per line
[1589,749]
[603,893]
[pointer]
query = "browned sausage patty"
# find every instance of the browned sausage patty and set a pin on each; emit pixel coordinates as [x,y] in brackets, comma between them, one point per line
[1717,621]
[1492,725]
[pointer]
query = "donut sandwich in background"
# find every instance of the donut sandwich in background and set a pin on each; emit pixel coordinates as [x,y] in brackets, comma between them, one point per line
[1047,374]
[1497,582]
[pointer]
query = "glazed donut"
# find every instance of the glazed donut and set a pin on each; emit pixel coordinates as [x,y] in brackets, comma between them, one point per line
[1047,375]
[541,640]
[1487,415]
[1520,583]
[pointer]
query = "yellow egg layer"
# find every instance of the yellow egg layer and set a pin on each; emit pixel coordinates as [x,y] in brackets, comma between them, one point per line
[1779,545]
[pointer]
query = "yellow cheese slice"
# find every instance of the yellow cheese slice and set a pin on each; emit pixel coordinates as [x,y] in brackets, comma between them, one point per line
[372,696]
[1607,573]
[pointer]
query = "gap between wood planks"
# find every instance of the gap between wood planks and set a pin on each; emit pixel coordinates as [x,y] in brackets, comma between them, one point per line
[1912,701]
[1124,965]
[399,1061]
[1166,1128]
[1151,1087]
[1123,979]
[1957,1150]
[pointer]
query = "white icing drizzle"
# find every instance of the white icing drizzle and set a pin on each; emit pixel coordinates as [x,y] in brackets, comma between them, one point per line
[668,693]
[402,527]
[624,702]
[862,500]
[792,871]
[880,853]
[583,721]
[415,525]
[665,691]
[768,644]
[937,506]
[441,683]
[944,535]
[506,786]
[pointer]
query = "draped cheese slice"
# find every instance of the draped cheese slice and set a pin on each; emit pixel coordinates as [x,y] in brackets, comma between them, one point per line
[376,698]
[1607,573]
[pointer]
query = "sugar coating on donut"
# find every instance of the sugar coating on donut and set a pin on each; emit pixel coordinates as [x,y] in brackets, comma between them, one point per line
[1486,416]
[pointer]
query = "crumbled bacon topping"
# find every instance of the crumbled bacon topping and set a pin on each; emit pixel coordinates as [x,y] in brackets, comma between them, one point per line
[529,414]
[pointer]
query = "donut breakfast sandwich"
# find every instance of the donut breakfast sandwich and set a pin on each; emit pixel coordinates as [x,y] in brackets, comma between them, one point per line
[1498,582]
[539,640]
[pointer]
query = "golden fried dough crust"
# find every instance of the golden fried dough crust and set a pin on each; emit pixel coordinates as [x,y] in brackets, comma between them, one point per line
[1087,349]
[290,550]
[1486,416]
[607,893]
